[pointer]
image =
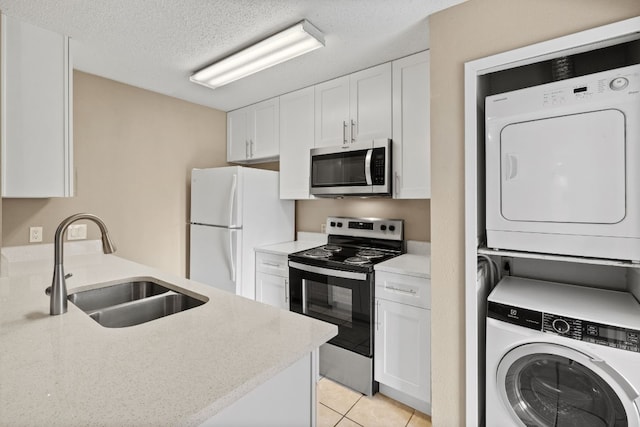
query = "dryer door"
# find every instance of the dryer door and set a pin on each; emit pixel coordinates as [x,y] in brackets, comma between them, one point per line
[549,385]
[568,169]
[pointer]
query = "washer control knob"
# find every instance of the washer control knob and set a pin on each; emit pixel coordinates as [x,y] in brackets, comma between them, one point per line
[383,227]
[392,228]
[561,326]
[333,223]
[339,225]
[619,83]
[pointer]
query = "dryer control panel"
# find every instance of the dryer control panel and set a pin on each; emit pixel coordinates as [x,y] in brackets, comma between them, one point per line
[577,329]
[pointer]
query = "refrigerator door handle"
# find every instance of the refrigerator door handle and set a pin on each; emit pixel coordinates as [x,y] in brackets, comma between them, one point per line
[232,197]
[232,263]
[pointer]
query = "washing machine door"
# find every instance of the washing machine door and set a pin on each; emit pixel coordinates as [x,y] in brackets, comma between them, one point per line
[549,385]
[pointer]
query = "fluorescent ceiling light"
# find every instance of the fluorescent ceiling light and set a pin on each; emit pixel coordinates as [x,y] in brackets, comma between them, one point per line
[287,44]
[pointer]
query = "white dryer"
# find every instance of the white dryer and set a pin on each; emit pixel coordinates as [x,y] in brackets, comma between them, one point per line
[561,355]
[563,166]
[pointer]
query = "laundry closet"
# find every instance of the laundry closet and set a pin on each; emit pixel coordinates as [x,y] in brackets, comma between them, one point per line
[553,232]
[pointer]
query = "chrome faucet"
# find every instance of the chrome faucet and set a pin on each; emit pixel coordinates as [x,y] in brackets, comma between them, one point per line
[58,289]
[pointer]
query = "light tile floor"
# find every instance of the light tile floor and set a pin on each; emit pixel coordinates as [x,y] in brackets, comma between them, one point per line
[339,406]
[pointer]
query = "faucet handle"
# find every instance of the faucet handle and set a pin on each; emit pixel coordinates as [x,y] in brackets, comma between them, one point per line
[66,276]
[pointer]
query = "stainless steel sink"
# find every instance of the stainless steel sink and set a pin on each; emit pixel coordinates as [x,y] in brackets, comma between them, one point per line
[133,302]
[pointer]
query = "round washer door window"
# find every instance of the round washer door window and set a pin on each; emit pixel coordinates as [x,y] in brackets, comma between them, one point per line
[548,389]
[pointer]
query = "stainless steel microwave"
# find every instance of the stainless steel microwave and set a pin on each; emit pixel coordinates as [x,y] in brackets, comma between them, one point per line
[360,169]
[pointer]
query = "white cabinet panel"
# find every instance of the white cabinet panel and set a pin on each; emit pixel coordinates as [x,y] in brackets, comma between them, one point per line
[237,138]
[402,342]
[264,143]
[370,103]
[296,139]
[411,140]
[272,279]
[354,108]
[285,400]
[272,290]
[37,148]
[332,113]
[403,348]
[253,133]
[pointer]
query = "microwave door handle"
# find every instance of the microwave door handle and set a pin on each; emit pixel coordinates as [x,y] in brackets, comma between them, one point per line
[367,167]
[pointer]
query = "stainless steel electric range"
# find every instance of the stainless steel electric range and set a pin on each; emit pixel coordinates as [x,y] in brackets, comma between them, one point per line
[335,283]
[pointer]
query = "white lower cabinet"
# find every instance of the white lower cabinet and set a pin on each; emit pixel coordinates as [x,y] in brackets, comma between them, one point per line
[288,399]
[272,279]
[402,350]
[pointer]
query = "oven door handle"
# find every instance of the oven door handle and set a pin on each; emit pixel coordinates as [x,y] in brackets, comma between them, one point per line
[328,271]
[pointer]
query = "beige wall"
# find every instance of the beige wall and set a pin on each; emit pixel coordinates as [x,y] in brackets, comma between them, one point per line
[134,150]
[469,31]
[310,214]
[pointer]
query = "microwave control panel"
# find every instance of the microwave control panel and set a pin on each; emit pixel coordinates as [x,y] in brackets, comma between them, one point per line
[378,166]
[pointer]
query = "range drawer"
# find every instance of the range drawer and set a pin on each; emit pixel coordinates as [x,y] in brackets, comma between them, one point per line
[272,264]
[411,290]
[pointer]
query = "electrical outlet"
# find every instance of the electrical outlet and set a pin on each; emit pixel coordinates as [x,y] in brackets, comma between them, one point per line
[323,228]
[77,232]
[35,234]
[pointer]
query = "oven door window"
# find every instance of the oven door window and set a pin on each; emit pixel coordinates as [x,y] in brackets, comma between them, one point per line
[344,302]
[339,169]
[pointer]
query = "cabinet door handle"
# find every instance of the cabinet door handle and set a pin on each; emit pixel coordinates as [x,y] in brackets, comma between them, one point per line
[251,147]
[246,149]
[270,264]
[405,291]
[377,318]
[353,130]
[344,131]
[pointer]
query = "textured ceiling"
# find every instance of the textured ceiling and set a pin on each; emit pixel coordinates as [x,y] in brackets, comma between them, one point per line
[157,44]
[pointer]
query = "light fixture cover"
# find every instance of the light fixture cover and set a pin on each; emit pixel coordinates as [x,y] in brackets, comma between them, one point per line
[287,44]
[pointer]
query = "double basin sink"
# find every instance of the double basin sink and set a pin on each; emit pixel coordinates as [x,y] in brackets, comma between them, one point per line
[133,301]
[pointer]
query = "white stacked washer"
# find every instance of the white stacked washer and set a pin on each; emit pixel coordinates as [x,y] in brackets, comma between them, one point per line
[563,167]
[562,355]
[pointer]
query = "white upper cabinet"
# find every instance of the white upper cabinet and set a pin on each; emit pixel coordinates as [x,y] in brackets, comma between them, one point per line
[36,111]
[332,112]
[253,133]
[371,104]
[411,142]
[296,139]
[354,108]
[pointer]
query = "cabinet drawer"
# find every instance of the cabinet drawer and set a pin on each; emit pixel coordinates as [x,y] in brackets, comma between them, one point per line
[272,264]
[404,289]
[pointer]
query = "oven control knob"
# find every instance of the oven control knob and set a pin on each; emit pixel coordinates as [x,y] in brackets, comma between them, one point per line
[561,326]
[332,223]
[339,225]
[619,83]
[383,227]
[392,228]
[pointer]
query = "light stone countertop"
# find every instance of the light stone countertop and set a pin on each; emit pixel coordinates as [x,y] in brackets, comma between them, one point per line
[305,241]
[408,264]
[178,370]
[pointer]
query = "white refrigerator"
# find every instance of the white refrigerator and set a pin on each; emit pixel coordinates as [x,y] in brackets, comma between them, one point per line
[233,210]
